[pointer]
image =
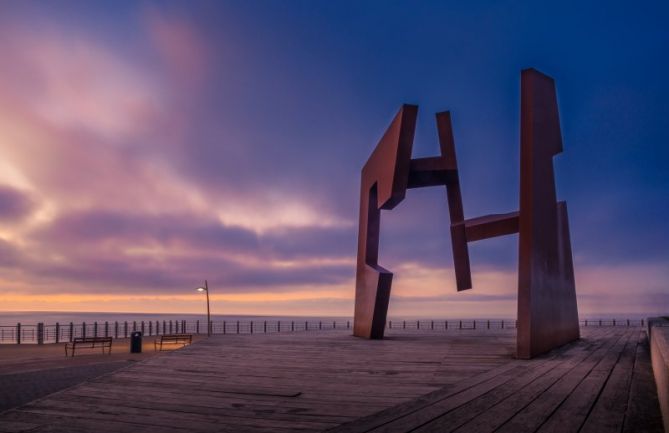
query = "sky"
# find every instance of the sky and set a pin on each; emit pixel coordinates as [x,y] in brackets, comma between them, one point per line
[147,146]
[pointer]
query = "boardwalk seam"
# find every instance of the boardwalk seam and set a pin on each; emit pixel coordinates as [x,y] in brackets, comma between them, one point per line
[551,385]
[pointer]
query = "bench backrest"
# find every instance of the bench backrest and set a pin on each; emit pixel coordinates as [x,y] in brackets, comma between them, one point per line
[176,337]
[92,340]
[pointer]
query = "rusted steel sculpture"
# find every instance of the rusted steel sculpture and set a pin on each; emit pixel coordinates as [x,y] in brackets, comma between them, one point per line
[547,311]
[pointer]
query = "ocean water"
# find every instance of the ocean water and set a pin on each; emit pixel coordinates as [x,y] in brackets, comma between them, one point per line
[11,318]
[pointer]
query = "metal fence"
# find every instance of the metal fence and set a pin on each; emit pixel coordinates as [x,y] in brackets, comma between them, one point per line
[62,332]
[496,324]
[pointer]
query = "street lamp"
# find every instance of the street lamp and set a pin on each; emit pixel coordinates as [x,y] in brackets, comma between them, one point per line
[206,290]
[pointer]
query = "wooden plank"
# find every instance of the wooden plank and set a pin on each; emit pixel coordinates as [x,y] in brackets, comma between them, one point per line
[210,421]
[394,413]
[643,409]
[558,364]
[315,381]
[533,416]
[67,423]
[499,414]
[573,411]
[375,420]
[608,412]
[419,417]
[206,407]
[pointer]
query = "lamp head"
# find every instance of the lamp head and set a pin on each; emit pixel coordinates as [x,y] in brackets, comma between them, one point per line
[201,289]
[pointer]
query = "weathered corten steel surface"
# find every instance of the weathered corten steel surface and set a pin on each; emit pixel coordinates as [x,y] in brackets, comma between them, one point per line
[547,313]
[547,310]
[426,381]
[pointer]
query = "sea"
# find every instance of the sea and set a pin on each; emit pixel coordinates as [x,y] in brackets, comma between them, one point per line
[8,318]
[11,318]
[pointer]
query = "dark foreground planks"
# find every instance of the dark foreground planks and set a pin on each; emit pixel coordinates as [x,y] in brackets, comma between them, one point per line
[599,384]
[428,381]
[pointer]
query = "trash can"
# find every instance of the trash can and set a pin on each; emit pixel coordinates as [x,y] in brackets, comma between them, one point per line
[136,342]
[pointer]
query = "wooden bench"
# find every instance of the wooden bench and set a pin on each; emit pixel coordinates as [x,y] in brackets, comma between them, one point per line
[170,339]
[89,343]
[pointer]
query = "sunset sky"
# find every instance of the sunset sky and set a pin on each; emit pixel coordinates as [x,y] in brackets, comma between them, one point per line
[146,146]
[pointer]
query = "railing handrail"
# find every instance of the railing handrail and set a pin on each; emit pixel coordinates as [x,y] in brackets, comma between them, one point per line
[61,332]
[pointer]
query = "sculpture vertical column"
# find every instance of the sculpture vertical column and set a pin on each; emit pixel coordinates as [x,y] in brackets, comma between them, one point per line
[547,312]
[383,185]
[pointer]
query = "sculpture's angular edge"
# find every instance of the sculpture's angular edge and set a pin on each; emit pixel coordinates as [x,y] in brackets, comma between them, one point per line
[547,309]
[384,183]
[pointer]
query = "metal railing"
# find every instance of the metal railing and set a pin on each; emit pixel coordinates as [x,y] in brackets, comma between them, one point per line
[496,324]
[63,332]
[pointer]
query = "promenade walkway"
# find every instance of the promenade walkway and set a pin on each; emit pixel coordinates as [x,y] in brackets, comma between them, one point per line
[423,381]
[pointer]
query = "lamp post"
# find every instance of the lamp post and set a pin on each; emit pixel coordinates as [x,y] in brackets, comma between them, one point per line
[206,290]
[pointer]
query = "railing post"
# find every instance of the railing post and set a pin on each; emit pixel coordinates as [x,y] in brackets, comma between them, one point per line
[71,331]
[600,322]
[95,329]
[225,328]
[404,324]
[134,325]
[142,327]
[197,327]
[417,324]
[614,322]
[502,323]
[264,327]
[171,329]
[306,325]
[106,329]
[334,324]
[628,323]
[40,333]
[390,324]
[150,327]
[348,324]
[278,326]
[18,333]
[238,327]
[432,325]
[320,325]
[586,322]
[488,324]
[125,329]
[474,324]
[292,326]
[164,327]
[445,324]
[57,333]
[83,329]
[251,326]
[116,329]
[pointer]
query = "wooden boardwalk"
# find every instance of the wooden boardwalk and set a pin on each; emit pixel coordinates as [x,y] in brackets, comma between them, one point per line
[425,381]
